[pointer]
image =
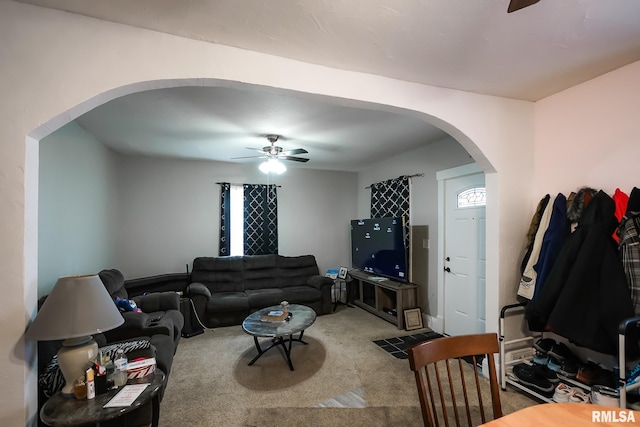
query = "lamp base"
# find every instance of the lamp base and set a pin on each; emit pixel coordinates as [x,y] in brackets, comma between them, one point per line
[73,358]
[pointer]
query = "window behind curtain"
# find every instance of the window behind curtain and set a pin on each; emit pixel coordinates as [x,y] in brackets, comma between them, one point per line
[236,233]
[248,219]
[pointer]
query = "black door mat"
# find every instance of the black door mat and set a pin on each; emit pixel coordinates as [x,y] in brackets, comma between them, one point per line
[397,346]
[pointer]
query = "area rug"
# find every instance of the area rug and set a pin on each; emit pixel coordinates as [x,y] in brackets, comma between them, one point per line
[397,346]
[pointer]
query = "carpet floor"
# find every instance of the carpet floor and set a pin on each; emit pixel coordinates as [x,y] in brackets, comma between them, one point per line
[341,378]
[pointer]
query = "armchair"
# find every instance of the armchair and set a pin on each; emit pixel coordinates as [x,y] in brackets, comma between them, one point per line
[160,312]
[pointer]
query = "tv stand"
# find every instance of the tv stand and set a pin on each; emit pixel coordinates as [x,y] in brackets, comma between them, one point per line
[384,297]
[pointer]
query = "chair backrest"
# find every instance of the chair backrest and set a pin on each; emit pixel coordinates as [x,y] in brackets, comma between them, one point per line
[447,383]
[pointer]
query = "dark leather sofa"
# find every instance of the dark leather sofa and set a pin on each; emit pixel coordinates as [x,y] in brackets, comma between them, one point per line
[225,290]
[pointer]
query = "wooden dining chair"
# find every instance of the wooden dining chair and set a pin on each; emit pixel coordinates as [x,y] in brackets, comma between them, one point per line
[446,381]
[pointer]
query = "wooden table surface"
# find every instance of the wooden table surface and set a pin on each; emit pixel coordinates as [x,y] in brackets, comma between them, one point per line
[567,415]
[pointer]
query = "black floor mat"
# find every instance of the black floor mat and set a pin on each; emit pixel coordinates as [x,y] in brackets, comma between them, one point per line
[397,346]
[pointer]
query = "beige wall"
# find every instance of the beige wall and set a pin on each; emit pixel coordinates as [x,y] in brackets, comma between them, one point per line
[590,135]
[57,65]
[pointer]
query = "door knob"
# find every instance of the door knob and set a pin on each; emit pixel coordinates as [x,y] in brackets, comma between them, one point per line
[447,269]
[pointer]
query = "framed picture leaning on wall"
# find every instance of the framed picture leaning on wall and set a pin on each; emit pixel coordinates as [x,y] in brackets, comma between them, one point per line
[412,319]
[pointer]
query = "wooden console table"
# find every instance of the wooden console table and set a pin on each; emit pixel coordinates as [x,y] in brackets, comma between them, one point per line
[376,296]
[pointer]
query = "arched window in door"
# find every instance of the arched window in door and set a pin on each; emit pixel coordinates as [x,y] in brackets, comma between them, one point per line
[472,197]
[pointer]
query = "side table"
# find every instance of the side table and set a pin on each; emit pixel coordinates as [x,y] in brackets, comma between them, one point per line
[338,289]
[63,411]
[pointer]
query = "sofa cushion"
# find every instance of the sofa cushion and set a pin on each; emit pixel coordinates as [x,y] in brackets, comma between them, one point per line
[259,271]
[301,294]
[228,301]
[218,274]
[295,271]
[260,298]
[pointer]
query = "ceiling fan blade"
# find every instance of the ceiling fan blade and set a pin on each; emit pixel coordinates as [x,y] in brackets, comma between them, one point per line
[249,157]
[260,150]
[295,159]
[520,4]
[294,152]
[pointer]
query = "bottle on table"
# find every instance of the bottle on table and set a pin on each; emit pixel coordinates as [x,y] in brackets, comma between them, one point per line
[120,372]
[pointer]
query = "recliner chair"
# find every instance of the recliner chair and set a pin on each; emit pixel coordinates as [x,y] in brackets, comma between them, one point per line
[160,313]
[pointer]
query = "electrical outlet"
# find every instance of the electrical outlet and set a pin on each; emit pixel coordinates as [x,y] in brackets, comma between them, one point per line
[519,354]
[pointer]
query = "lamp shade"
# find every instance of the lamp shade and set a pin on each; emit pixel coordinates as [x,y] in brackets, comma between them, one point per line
[76,307]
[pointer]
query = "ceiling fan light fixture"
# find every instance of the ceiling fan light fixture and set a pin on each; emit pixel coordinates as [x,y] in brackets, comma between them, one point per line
[272,166]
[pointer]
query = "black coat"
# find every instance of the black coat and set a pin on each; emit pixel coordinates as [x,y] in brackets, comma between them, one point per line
[586,296]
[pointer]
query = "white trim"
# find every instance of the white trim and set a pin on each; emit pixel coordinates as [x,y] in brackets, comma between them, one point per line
[459,171]
[436,323]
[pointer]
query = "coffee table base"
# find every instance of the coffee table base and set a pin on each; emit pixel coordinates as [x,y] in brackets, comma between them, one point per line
[276,342]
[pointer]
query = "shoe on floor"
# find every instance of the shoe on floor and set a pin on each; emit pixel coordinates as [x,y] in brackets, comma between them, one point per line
[592,374]
[579,396]
[561,352]
[554,364]
[602,395]
[530,376]
[562,393]
[547,373]
[540,358]
[569,368]
[543,345]
[566,367]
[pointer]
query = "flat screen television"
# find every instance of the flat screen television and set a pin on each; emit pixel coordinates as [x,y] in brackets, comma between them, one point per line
[377,247]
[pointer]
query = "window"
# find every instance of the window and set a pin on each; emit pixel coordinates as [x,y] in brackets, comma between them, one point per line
[248,219]
[472,197]
[236,234]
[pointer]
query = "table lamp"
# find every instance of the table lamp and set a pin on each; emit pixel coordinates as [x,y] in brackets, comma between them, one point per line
[76,308]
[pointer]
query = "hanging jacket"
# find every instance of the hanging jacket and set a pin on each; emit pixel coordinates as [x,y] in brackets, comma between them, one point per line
[585,296]
[533,229]
[629,232]
[555,236]
[622,200]
[527,285]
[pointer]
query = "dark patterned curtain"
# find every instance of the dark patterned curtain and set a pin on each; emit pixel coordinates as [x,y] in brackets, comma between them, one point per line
[260,219]
[391,199]
[225,219]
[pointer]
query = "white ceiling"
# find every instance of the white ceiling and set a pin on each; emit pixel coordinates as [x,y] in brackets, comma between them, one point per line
[471,45]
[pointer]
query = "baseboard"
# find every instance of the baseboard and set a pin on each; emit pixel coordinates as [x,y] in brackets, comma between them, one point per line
[436,324]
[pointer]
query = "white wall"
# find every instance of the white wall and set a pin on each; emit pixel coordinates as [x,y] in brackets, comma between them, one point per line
[589,135]
[96,61]
[78,202]
[169,212]
[314,219]
[428,160]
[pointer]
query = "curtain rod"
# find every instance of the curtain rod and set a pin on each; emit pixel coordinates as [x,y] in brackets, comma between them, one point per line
[233,183]
[408,176]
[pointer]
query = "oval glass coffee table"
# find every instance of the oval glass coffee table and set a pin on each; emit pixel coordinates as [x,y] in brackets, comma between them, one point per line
[281,332]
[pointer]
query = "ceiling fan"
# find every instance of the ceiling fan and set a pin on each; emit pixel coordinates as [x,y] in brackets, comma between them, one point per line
[520,4]
[275,152]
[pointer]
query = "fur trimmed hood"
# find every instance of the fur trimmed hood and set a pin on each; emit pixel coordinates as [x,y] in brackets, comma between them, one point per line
[579,203]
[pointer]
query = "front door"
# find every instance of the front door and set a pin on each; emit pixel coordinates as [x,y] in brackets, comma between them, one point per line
[464,255]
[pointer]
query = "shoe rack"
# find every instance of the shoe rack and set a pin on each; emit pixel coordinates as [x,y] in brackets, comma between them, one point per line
[507,365]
